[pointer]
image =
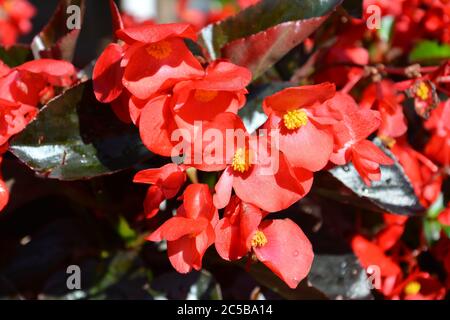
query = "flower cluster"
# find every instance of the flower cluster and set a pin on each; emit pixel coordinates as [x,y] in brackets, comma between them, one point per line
[187,108]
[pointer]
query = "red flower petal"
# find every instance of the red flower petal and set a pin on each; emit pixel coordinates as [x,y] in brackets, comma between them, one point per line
[224,76]
[223,189]
[183,254]
[156,126]
[56,72]
[177,227]
[107,74]
[234,231]
[370,254]
[280,183]
[145,79]
[157,32]
[307,147]
[298,97]
[152,201]
[198,202]
[288,252]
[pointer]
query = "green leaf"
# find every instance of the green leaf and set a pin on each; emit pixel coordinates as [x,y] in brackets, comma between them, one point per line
[125,231]
[432,230]
[76,137]
[429,51]
[15,55]
[261,35]
[387,24]
[57,40]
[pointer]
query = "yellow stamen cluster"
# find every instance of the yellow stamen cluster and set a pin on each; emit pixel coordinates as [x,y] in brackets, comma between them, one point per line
[259,239]
[423,91]
[412,288]
[388,141]
[295,119]
[241,161]
[159,50]
[205,95]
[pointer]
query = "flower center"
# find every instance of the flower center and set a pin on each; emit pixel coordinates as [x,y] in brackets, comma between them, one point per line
[159,50]
[295,119]
[241,161]
[423,92]
[388,141]
[205,95]
[412,288]
[259,239]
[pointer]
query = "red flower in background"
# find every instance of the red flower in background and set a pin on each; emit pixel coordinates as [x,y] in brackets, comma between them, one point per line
[419,286]
[422,172]
[341,62]
[305,138]
[191,231]
[166,183]
[383,97]
[15,16]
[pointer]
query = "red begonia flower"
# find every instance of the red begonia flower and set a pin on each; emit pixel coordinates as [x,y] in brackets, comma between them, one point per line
[283,247]
[191,231]
[15,20]
[304,140]
[222,89]
[166,183]
[235,231]
[383,97]
[419,286]
[421,171]
[369,254]
[158,58]
[350,132]
[386,238]
[336,62]
[108,73]
[253,166]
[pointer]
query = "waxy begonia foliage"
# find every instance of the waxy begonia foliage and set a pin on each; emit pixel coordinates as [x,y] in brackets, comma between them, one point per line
[238,132]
